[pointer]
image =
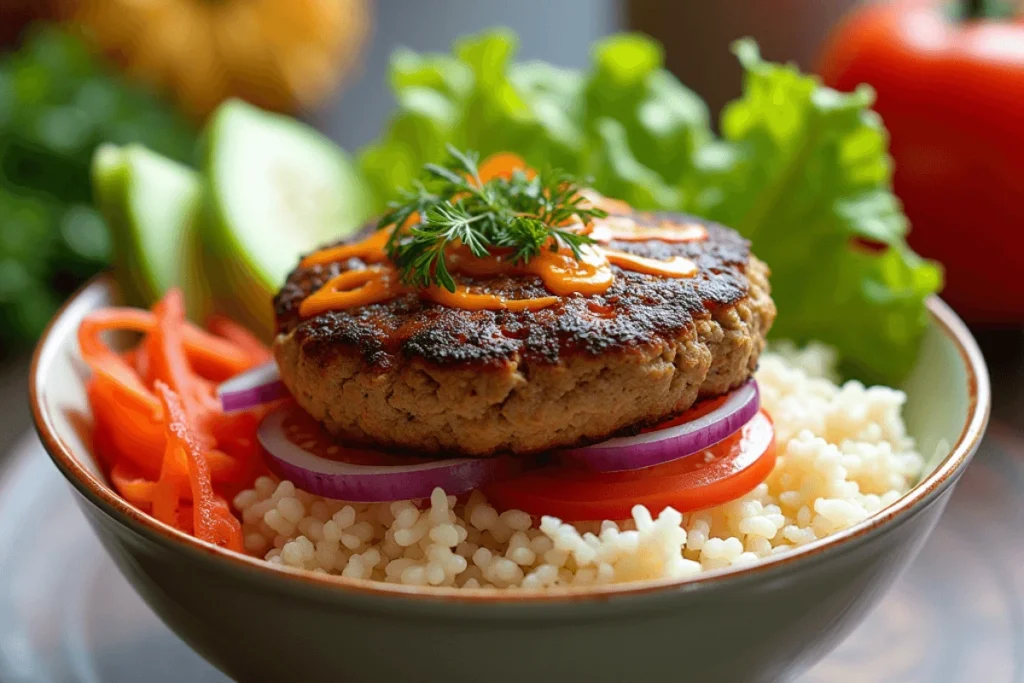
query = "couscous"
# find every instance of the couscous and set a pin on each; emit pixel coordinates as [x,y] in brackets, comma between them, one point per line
[843,455]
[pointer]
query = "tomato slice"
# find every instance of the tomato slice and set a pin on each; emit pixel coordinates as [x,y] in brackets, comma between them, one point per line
[738,464]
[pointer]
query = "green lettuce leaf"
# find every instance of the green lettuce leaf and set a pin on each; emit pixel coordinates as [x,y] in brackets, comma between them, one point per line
[591,124]
[803,172]
[799,169]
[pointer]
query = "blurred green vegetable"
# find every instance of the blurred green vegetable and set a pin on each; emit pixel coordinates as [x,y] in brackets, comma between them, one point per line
[275,189]
[592,123]
[57,103]
[154,209]
[807,178]
[27,245]
[271,188]
[800,169]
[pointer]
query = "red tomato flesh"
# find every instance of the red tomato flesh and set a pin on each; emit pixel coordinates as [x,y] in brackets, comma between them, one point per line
[736,466]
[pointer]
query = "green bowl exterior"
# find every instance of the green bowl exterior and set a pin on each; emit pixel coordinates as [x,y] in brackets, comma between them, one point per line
[764,623]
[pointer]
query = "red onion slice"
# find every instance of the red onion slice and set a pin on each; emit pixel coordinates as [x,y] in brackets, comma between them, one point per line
[671,443]
[254,387]
[303,453]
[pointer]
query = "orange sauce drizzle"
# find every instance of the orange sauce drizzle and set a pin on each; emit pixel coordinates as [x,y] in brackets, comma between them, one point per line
[370,250]
[619,225]
[560,271]
[563,275]
[463,298]
[353,288]
[677,266]
[625,229]
[613,207]
[497,262]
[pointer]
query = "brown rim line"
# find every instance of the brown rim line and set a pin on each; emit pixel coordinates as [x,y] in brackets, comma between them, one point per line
[102,495]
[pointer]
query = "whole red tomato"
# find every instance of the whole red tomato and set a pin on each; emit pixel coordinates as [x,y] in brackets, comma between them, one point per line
[951,92]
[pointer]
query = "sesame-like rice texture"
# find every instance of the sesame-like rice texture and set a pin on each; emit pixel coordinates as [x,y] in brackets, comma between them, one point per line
[843,455]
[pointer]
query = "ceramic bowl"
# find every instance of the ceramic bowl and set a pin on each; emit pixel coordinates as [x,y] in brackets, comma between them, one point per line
[765,622]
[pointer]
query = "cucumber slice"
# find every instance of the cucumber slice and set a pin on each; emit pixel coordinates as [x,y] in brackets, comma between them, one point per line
[277,189]
[161,200]
[152,205]
[195,285]
[107,175]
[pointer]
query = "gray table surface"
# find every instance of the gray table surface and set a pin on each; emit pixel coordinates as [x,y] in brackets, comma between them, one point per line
[14,414]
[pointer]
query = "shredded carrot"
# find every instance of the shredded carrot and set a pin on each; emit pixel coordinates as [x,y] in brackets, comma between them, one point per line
[124,381]
[171,486]
[102,436]
[136,489]
[224,467]
[212,520]
[226,473]
[242,338]
[158,427]
[165,347]
[211,356]
[238,458]
[134,432]
[142,364]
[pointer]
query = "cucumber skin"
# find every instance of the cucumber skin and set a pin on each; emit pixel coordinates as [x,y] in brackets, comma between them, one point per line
[241,290]
[109,177]
[199,297]
[112,183]
[213,270]
[234,291]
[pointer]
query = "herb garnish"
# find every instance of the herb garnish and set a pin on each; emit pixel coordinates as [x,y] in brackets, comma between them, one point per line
[520,213]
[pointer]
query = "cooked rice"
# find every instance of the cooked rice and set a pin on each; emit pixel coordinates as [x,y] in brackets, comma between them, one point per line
[843,455]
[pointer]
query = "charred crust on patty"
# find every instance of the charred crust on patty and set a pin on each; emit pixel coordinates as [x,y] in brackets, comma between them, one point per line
[637,310]
[417,375]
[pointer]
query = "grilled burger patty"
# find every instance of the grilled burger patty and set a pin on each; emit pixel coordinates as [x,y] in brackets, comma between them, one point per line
[414,374]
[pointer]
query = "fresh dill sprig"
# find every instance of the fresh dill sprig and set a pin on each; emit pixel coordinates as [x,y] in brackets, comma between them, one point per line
[522,214]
